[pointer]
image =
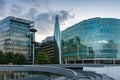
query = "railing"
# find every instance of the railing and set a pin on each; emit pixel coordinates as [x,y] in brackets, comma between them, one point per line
[39,68]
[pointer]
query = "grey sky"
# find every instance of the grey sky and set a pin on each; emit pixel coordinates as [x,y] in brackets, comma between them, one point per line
[70,11]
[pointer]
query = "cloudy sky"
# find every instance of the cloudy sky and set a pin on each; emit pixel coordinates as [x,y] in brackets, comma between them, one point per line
[70,12]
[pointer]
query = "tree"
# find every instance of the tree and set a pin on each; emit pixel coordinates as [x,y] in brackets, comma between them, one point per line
[9,57]
[2,58]
[15,58]
[20,59]
[42,58]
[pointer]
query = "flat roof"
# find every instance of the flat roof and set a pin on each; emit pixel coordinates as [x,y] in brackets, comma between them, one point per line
[20,20]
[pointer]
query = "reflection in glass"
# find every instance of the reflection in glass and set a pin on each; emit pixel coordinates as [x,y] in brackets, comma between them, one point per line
[92,39]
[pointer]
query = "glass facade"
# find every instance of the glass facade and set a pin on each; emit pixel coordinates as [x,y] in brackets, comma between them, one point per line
[95,40]
[15,35]
[57,40]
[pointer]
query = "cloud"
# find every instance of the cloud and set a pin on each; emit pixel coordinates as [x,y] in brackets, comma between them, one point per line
[31,13]
[40,10]
[45,18]
[2,7]
[15,10]
[36,3]
[2,4]
[44,22]
[65,15]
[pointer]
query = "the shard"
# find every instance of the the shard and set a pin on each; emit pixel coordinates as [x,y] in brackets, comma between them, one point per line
[57,40]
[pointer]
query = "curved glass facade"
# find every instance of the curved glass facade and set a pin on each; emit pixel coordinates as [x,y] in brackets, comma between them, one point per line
[95,40]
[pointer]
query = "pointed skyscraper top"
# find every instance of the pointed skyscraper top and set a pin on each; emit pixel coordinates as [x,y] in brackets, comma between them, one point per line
[57,40]
[56,26]
[57,30]
[56,17]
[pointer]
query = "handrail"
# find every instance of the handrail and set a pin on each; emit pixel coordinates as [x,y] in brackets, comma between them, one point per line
[41,68]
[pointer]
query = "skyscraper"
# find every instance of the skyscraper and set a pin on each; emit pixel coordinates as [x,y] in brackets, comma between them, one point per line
[57,41]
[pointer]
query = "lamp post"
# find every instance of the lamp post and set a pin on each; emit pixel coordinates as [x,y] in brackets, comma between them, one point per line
[33,44]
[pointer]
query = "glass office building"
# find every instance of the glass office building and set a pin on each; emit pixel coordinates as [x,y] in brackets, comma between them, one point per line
[15,35]
[57,41]
[95,40]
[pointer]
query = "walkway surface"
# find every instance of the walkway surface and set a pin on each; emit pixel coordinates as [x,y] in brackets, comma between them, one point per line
[111,71]
[67,74]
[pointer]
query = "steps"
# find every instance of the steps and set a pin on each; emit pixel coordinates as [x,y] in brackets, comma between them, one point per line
[90,75]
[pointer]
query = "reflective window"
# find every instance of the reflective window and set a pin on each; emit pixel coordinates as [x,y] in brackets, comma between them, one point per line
[92,38]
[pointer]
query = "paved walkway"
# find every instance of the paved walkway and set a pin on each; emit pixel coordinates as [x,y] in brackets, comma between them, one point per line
[69,74]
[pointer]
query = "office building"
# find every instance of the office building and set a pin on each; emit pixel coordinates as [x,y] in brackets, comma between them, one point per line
[15,36]
[37,47]
[47,46]
[95,40]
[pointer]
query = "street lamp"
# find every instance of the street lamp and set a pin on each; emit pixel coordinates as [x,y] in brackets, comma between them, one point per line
[33,44]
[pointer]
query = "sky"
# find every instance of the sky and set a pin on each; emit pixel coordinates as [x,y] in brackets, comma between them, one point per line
[70,12]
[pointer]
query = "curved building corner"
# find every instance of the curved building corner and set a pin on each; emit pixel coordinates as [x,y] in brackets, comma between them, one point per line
[95,41]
